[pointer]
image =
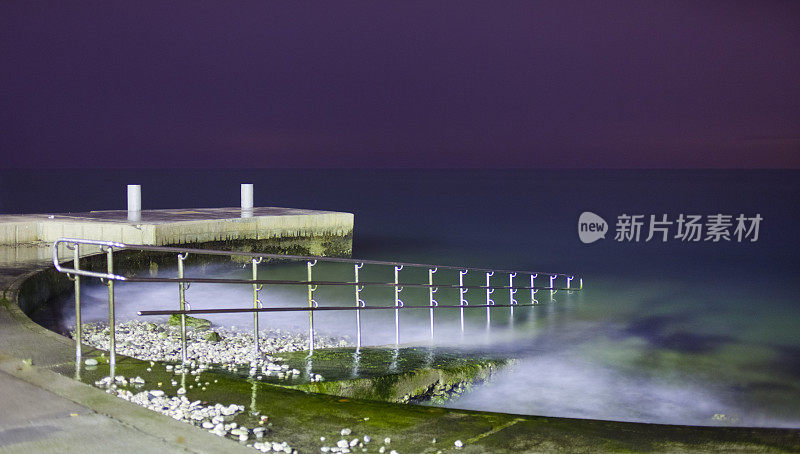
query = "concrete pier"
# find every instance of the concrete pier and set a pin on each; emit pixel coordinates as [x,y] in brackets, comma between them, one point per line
[181,226]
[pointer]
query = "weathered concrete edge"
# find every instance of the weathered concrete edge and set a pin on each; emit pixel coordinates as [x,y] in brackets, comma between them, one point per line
[11,294]
[32,229]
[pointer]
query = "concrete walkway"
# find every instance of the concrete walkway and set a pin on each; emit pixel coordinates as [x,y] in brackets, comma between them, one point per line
[42,411]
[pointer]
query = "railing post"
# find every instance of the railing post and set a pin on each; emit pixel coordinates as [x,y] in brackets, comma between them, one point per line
[511,292]
[310,306]
[78,325]
[580,287]
[489,301]
[552,288]
[112,348]
[461,291]
[569,279]
[431,291]
[533,290]
[397,304]
[356,267]
[256,302]
[182,299]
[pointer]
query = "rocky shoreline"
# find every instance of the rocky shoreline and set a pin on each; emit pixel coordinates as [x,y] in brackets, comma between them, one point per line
[218,419]
[220,346]
[221,349]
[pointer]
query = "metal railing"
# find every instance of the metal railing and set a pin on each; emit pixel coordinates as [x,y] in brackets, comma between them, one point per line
[109,277]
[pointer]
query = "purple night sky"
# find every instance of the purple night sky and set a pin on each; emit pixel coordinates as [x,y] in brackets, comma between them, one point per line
[433,84]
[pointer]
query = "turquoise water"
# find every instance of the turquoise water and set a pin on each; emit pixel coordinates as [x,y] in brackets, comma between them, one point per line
[700,333]
[662,352]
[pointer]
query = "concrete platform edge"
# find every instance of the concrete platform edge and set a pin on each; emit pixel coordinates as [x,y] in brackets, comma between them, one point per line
[174,434]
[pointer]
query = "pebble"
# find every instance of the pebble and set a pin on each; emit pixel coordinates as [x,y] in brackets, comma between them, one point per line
[136,340]
[233,352]
[458,444]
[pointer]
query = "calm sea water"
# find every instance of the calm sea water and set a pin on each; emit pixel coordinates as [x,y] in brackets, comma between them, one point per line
[670,332]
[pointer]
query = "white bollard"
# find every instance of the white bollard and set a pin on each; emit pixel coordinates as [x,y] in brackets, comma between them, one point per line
[247,196]
[134,202]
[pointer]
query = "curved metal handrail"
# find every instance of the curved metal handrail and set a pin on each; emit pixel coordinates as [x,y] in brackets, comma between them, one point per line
[108,278]
[141,247]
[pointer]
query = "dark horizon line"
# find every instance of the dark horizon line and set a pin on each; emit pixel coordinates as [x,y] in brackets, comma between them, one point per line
[430,168]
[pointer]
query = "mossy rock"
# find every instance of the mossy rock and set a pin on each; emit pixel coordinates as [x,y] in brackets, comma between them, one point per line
[212,336]
[404,375]
[199,324]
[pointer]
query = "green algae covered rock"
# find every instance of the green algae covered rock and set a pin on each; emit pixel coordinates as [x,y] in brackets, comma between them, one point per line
[200,324]
[212,336]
